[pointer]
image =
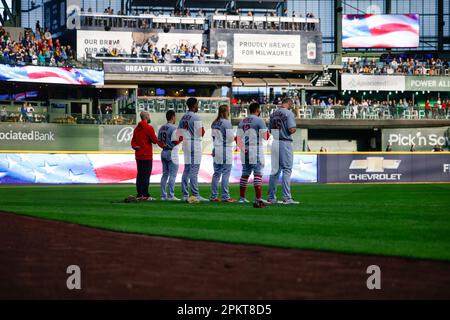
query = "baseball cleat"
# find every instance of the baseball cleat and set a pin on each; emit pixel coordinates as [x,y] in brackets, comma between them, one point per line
[263,201]
[163,199]
[290,201]
[147,199]
[173,199]
[230,200]
[201,199]
[272,201]
[243,200]
[214,200]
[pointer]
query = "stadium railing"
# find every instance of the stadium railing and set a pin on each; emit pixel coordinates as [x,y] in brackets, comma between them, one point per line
[151,21]
[73,118]
[387,69]
[264,23]
[142,21]
[164,104]
[147,58]
[337,112]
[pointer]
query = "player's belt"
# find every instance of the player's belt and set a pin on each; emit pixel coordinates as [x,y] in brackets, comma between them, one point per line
[285,140]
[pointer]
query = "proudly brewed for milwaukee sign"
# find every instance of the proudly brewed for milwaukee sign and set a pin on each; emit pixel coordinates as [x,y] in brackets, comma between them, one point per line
[184,69]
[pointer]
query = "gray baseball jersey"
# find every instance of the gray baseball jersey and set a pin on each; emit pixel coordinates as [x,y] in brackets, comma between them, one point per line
[193,124]
[223,137]
[223,126]
[282,119]
[257,124]
[166,133]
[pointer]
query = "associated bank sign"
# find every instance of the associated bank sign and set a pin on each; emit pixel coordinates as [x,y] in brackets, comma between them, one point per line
[375,169]
[33,135]
[353,82]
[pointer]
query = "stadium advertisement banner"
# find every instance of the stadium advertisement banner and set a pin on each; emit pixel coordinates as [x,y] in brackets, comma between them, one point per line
[384,168]
[119,168]
[380,31]
[423,139]
[57,75]
[48,137]
[423,83]
[176,69]
[266,49]
[353,82]
[89,42]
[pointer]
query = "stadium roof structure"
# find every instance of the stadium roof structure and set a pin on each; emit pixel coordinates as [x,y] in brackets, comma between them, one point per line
[210,4]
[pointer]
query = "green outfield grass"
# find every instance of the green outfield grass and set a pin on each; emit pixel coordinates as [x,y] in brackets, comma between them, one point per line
[399,220]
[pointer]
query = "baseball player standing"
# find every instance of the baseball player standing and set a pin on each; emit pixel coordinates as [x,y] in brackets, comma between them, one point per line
[191,128]
[169,156]
[223,138]
[282,126]
[251,131]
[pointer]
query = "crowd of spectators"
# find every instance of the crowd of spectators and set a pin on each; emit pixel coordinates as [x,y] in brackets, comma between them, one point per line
[356,109]
[408,66]
[179,54]
[34,48]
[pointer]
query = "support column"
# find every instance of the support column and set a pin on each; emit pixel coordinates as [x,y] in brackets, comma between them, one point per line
[440,14]
[303,97]
[338,31]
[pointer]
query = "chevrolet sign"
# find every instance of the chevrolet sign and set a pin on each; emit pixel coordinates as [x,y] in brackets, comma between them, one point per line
[374,168]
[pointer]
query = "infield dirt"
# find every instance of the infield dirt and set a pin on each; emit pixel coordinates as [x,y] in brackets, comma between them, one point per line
[35,254]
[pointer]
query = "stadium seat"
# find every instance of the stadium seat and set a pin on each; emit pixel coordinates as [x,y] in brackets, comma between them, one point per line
[214,108]
[407,114]
[346,114]
[422,114]
[387,114]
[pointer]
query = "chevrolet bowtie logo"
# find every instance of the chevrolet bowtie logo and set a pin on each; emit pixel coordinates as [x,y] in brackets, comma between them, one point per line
[375,164]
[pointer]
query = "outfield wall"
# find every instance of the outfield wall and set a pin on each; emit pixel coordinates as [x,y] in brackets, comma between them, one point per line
[101,167]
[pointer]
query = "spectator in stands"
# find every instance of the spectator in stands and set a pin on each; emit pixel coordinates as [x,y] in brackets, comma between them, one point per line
[427,108]
[168,56]
[412,148]
[437,148]
[134,53]
[389,148]
[200,13]
[99,115]
[3,114]
[23,112]
[29,113]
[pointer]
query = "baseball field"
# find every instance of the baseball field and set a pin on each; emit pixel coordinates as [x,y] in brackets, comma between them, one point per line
[409,221]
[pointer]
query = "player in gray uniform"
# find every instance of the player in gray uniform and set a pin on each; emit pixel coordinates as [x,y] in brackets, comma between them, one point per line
[223,138]
[282,126]
[251,131]
[169,156]
[191,127]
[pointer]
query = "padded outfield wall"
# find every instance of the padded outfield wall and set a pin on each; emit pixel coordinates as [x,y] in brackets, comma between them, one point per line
[103,167]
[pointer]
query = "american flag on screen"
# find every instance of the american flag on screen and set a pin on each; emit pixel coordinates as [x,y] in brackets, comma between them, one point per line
[48,168]
[380,31]
[55,75]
